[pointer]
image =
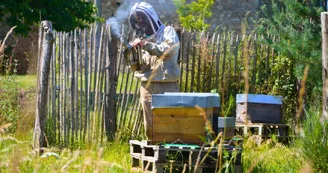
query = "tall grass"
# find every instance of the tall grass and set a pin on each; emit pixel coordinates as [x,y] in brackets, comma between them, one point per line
[17,156]
[270,156]
[313,141]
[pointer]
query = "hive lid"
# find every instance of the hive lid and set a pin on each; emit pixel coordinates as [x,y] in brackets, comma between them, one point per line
[187,100]
[259,98]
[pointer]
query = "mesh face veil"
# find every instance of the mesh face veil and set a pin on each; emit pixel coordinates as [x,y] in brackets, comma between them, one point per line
[144,20]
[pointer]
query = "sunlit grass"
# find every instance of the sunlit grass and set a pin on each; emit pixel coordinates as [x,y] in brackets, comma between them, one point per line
[18,155]
[26,82]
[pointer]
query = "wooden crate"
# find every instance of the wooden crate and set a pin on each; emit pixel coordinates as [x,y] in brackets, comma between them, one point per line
[258,108]
[183,116]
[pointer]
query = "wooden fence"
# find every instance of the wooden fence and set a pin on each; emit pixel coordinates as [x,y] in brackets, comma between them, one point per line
[82,60]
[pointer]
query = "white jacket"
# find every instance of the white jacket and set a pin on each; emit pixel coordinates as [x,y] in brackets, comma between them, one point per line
[160,58]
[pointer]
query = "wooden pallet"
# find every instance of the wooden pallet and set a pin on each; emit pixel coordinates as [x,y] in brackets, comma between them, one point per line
[263,129]
[157,158]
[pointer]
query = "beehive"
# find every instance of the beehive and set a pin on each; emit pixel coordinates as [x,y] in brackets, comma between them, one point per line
[183,116]
[258,108]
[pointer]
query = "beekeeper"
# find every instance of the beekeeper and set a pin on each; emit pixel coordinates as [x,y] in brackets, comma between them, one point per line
[160,44]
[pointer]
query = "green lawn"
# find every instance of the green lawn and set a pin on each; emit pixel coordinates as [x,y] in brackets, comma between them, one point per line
[26,82]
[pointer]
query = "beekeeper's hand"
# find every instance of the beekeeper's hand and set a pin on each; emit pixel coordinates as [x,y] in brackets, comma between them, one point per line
[137,42]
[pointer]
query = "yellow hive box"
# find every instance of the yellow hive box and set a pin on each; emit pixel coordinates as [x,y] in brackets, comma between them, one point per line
[183,117]
[185,124]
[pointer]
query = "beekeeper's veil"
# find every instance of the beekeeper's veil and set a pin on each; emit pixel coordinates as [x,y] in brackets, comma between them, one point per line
[144,20]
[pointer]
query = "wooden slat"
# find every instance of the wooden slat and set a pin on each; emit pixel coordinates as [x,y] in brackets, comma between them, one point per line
[236,55]
[59,87]
[187,67]
[267,60]
[97,86]
[76,126]
[121,118]
[135,103]
[217,59]
[254,57]
[212,56]
[224,61]
[204,56]
[72,86]
[126,107]
[53,86]
[182,48]
[103,55]
[90,100]
[66,67]
[86,82]
[193,62]
[199,62]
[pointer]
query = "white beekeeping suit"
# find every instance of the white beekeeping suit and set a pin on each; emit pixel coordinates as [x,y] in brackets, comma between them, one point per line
[160,46]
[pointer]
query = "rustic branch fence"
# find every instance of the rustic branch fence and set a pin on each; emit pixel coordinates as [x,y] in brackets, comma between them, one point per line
[92,92]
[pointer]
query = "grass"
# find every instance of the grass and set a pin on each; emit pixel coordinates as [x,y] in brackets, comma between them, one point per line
[17,156]
[270,157]
[26,82]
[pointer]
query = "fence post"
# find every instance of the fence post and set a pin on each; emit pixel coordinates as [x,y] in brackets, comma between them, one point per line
[110,98]
[42,87]
[324,31]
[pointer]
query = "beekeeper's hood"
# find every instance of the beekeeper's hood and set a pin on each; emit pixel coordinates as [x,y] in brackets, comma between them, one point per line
[144,20]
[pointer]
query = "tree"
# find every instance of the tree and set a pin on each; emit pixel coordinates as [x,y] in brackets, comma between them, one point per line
[193,15]
[65,15]
[296,23]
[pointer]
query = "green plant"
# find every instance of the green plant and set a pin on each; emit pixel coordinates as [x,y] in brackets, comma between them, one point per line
[193,16]
[313,142]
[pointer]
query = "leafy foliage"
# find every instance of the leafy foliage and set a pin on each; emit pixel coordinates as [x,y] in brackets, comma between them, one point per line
[65,15]
[192,16]
[297,25]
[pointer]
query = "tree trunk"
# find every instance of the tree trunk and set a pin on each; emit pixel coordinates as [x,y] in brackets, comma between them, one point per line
[110,112]
[324,31]
[42,87]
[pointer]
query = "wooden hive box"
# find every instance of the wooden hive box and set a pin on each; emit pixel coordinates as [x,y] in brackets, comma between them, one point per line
[177,118]
[259,108]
